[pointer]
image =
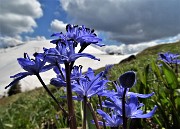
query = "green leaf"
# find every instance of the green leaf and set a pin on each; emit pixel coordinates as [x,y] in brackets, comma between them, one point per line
[144,74]
[1,124]
[177,101]
[89,117]
[156,70]
[170,75]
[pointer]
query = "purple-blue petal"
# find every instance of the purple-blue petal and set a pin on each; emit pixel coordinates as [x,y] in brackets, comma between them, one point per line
[17,78]
[56,34]
[141,95]
[110,104]
[47,67]
[107,93]
[20,74]
[105,116]
[148,115]
[57,82]
[78,98]
[78,55]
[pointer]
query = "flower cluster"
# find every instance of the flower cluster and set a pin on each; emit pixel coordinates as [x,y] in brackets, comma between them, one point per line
[31,66]
[123,103]
[64,52]
[132,105]
[169,58]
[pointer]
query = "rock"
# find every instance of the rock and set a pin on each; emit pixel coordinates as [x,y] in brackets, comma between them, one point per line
[130,58]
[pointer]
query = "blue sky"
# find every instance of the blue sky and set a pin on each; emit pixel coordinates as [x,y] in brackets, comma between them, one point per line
[116,21]
[51,11]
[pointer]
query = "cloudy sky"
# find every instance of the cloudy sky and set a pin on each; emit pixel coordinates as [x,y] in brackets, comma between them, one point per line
[116,21]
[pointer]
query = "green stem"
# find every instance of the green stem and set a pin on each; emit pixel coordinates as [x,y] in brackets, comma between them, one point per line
[72,118]
[52,96]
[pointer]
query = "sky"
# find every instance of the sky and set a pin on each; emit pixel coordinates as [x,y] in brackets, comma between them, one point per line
[117,22]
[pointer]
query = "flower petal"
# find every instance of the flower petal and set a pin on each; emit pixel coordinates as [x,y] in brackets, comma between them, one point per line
[132,105]
[57,82]
[148,115]
[105,116]
[47,67]
[18,77]
[20,74]
[141,95]
[73,57]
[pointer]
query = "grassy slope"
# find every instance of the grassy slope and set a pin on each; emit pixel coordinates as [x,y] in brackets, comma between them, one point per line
[39,101]
[144,58]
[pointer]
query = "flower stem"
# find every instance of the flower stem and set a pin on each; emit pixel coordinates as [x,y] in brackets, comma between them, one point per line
[93,114]
[52,96]
[124,110]
[114,127]
[83,47]
[176,69]
[84,112]
[58,65]
[81,50]
[72,118]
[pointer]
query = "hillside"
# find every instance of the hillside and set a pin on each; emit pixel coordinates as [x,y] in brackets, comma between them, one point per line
[30,109]
[9,65]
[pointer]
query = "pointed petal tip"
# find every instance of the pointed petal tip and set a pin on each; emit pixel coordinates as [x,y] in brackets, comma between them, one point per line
[7,86]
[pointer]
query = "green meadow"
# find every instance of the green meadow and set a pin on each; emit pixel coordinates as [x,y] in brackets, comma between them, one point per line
[36,110]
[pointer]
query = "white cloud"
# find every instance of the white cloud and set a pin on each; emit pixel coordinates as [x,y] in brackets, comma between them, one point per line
[58,26]
[9,41]
[37,38]
[128,21]
[17,17]
[135,48]
[127,48]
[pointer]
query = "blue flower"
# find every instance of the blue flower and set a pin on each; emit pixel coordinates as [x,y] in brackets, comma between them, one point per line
[78,34]
[31,66]
[60,80]
[120,90]
[82,35]
[113,120]
[89,85]
[53,61]
[115,103]
[107,68]
[65,53]
[169,58]
[76,73]
[133,109]
[61,38]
